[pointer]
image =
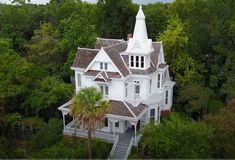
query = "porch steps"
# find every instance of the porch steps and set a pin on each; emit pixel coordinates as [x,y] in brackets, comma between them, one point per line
[121,149]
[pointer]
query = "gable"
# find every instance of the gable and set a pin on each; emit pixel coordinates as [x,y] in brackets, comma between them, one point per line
[102,57]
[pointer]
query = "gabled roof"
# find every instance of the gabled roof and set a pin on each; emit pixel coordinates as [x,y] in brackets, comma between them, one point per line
[114,54]
[83,57]
[119,108]
[102,77]
[110,75]
[102,42]
[114,49]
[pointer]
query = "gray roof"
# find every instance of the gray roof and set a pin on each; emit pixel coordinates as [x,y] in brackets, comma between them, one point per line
[102,42]
[114,53]
[113,47]
[84,57]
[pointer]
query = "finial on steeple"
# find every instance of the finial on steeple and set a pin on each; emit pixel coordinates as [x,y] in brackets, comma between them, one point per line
[140,14]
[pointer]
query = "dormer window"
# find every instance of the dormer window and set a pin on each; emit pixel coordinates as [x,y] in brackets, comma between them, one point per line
[103,66]
[136,62]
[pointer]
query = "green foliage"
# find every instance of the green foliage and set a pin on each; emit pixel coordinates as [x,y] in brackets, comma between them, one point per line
[49,93]
[47,136]
[43,48]
[187,70]
[224,136]
[15,82]
[5,147]
[115,19]
[214,105]
[74,149]
[156,18]
[175,40]
[194,99]
[176,137]
[76,31]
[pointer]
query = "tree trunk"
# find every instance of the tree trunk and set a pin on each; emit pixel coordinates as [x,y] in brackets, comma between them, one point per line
[89,144]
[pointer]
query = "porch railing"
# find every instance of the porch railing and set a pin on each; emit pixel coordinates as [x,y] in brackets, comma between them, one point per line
[129,148]
[114,147]
[70,129]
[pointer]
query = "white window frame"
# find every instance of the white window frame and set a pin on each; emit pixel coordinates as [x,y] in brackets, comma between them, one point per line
[152,116]
[104,89]
[126,91]
[101,66]
[158,80]
[137,95]
[105,66]
[79,80]
[167,97]
[136,62]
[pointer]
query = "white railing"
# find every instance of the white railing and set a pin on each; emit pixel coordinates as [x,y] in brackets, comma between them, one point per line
[114,147]
[129,148]
[70,130]
[136,141]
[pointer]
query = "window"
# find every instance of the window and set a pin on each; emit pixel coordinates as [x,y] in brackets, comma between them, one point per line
[152,114]
[106,122]
[79,82]
[137,61]
[142,62]
[132,61]
[117,124]
[101,66]
[166,98]
[150,85]
[106,66]
[137,89]
[158,80]
[104,90]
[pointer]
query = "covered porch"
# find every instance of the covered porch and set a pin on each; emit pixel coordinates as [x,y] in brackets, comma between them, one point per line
[123,119]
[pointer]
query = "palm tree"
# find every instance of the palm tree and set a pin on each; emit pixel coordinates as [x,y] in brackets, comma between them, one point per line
[89,111]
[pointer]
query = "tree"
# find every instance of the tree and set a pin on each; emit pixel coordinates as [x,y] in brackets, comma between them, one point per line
[156,18]
[115,19]
[75,31]
[224,133]
[176,137]
[43,48]
[193,100]
[48,95]
[89,111]
[16,82]
[175,40]
[176,43]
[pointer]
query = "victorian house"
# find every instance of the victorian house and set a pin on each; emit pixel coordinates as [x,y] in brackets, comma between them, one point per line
[132,75]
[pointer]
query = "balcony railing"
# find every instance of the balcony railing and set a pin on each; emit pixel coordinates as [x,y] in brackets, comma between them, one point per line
[72,131]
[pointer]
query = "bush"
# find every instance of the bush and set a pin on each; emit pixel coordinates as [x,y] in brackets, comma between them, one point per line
[214,105]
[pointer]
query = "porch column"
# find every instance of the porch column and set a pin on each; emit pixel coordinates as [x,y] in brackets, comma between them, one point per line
[63,115]
[135,132]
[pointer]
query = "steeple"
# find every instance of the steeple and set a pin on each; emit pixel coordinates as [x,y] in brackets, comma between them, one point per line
[140,44]
[140,31]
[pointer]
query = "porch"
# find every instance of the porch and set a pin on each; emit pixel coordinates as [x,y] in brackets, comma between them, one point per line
[125,137]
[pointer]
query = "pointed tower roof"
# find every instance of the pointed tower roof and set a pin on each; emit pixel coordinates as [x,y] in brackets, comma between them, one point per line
[140,43]
[140,31]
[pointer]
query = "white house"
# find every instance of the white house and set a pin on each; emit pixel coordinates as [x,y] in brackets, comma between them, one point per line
[132,75]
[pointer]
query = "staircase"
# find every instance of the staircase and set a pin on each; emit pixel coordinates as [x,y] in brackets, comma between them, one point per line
[122,146]
[121,150]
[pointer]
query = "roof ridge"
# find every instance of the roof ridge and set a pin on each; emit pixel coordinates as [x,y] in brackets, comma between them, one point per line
[114,45]
[129,109]
[89,49]
[110,39]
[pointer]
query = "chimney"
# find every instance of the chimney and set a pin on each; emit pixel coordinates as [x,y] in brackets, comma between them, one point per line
[129,35]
